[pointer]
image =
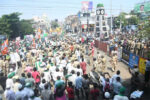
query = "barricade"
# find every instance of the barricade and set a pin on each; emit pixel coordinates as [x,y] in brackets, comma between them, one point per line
[96,43]
[127,57]
[102,46]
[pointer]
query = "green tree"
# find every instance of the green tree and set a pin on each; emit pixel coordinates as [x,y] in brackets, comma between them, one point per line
[144,29]
[54,24]
[134,20]
[26,27]
[121,19]
[12,26]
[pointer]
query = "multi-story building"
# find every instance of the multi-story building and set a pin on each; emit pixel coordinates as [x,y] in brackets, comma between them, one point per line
[86,21]
[71,23]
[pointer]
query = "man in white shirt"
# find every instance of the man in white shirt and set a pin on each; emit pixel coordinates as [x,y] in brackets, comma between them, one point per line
[56,74]
[78,69]
[78,54]
[9,82]
[121,95]
[73,77]
[115,76]
[47,75]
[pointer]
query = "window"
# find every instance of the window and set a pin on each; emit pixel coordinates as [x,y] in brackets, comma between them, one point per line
[104,24]
[103,18]
[97,24]
[104,28]
[97,18]
[97,30]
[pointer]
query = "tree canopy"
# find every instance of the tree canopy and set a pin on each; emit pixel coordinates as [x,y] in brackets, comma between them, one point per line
[54,24]
[12,26]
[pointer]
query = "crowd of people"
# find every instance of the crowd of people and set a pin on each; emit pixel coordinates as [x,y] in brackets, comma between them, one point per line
[56,69]
[130,43]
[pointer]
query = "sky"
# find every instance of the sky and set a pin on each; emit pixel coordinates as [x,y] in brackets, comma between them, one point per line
[59,9]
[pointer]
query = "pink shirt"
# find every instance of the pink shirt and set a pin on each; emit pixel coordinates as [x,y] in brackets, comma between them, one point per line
[29,69]
[36,76]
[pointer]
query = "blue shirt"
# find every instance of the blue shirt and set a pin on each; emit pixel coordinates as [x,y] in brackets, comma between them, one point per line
[10,95]
[78,82]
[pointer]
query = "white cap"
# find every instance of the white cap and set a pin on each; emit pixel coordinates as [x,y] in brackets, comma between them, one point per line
[8,86]
[11,69]
[107,95]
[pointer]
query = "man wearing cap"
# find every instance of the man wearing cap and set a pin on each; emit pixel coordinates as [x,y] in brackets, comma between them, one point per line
[121,96]
[27,91]
[9,81]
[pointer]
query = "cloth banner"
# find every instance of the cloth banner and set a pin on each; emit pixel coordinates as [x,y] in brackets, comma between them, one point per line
[133,60]
[142,65]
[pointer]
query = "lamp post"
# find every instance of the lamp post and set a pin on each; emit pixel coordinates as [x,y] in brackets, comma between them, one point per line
[87,23]
[111,16]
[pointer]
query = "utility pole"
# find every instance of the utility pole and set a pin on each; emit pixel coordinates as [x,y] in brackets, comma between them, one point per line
[120,19]
[111,16]
[87,22]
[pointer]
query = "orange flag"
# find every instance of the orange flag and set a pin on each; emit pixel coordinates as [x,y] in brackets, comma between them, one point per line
[34,45]
[4,48]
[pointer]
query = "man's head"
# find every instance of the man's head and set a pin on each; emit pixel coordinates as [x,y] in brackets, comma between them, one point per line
[72,72]
[46,86]
[63,58]
[23,74]
[78,73]
[34,69]
[107,79]
[118,79]
[136,73]
[57,69]
[118,72]
[43,81]
[29,75]
[78,66]
[70,84]
[58,77]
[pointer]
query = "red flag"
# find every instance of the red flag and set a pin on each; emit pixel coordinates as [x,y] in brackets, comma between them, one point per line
[4,48]
[34,45]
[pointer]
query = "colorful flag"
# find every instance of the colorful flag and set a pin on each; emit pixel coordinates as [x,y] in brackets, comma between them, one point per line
[4,48]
